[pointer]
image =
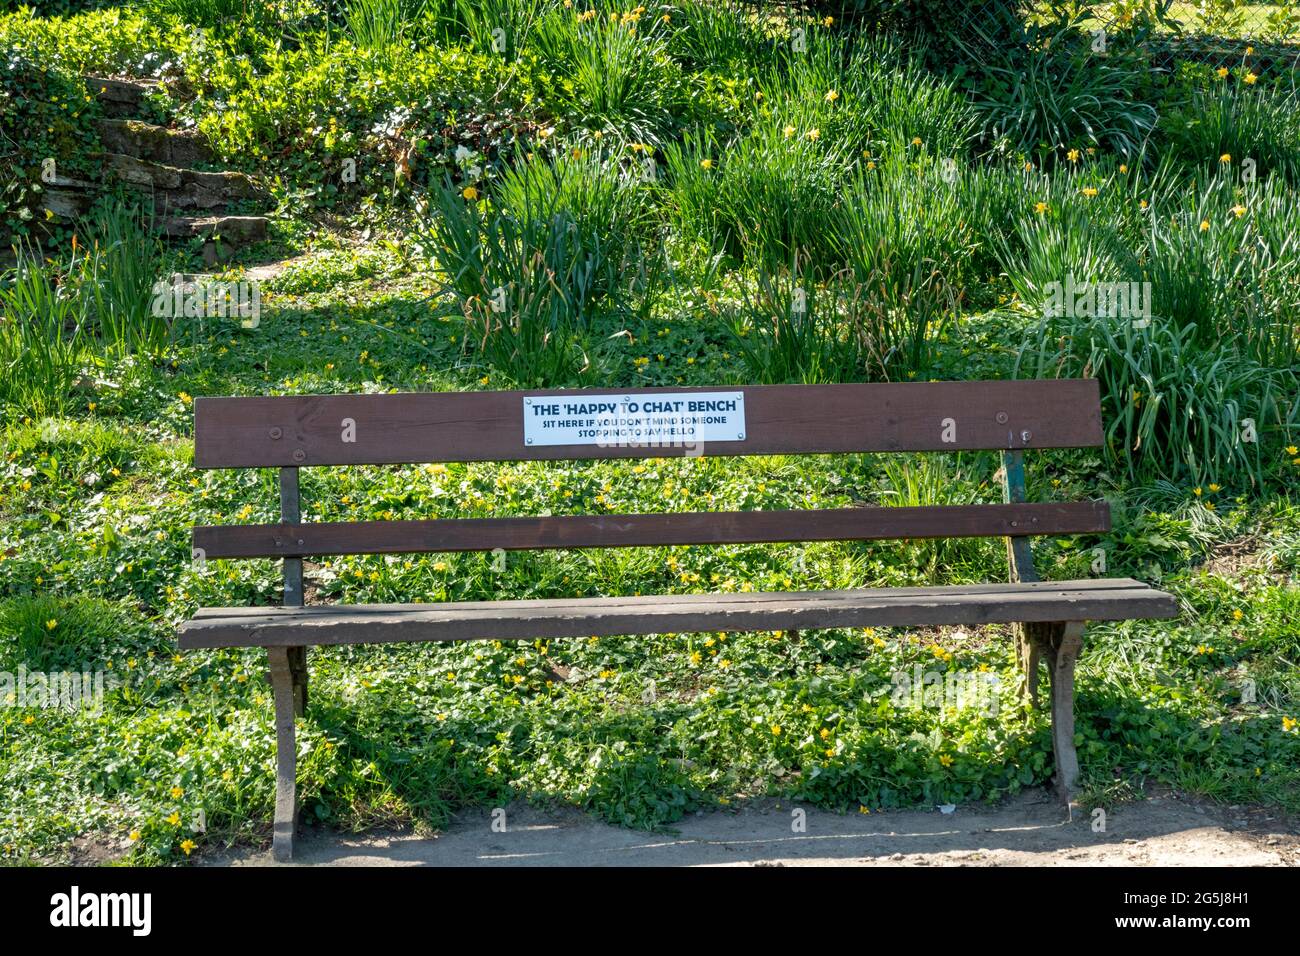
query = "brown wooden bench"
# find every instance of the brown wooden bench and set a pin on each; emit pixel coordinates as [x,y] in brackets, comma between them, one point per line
[293,432]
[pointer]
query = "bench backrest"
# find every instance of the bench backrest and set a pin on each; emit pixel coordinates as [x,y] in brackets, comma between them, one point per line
[289,432]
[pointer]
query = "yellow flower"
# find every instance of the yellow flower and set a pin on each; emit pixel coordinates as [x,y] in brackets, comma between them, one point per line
[1197,492]
[1123,168]
[862,809]
[1288,723]
[1249,50]
[831,96]
[1221,72]
[916,141]
[1214,487]
[813,134]
[1226,158]
[1040,208]
[776,730]
[706,164]
[788,131]
[945,760]
[1205,225]
[1142,204]
[1072,155]
[1237,614]
[824,733]
[134,836]
[828,22]
[870,165]
[1089,191]
[174,819]
[1250,79]
[177,793]
[1028,166]
[188,846]
[470,193]
[1292,450]
[51,624]
[1239,211]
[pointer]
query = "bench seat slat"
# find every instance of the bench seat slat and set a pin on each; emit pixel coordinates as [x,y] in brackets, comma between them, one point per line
[1088,600]
[649,530]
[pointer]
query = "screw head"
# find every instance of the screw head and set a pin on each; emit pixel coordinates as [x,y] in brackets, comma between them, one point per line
[1002,418]
[275,434]
[299,455]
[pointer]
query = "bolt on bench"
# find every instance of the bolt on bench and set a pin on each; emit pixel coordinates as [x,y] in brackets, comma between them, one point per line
[291,432]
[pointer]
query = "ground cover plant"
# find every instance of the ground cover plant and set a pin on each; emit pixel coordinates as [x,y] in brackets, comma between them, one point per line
[618,195]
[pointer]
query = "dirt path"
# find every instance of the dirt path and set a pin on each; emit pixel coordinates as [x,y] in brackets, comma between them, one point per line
[1030,830]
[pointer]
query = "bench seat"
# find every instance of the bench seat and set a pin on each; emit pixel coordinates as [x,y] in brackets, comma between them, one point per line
[1087,600]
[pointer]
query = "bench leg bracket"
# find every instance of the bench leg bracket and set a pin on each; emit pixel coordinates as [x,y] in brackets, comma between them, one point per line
[283,687]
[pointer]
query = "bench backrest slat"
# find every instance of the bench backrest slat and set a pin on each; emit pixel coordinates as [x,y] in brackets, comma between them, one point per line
[650,530]
[287,431]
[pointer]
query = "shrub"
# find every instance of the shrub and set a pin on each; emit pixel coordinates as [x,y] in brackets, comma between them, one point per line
[1215,345]
[949,31]
[531,265]
[399,114]
[42,337]
[613,74]
[722,34]
[1048,91]
[901,220]
[1241,121]
[764,200]
[769,193]
[44,117]
[872,327]
[123,261]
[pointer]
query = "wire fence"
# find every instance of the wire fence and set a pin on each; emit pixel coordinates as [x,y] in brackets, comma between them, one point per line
[1218,33]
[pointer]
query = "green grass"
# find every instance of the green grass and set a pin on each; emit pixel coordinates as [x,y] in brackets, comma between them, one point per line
[890,245]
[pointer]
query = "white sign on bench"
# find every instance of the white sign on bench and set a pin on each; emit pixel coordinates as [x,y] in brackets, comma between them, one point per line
[665,419]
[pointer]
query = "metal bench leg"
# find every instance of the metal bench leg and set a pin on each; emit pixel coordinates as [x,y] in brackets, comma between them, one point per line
[286,752]
[1062,650]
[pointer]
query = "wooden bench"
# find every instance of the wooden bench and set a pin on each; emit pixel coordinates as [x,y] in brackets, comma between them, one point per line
[293,432]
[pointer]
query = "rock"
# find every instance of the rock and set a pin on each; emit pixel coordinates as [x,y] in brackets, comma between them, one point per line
[120,97]
[157,144]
